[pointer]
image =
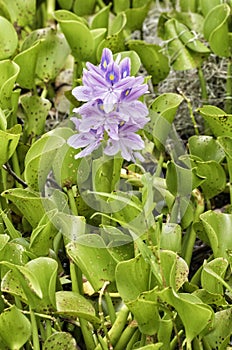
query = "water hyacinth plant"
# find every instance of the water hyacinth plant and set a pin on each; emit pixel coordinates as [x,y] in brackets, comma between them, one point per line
[115,231]
[112,113]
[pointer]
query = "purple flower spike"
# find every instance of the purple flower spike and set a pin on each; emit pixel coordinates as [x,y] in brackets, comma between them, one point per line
[111,111]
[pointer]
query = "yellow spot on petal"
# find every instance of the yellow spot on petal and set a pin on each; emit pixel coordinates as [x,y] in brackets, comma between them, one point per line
[127,92]
[105,64]
[111,77]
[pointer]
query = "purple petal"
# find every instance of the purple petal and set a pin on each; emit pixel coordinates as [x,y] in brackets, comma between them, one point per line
[124,67]
[82,93]
[88,150]
[112,74]
[106,59]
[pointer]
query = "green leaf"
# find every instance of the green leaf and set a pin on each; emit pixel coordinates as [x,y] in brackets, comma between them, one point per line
[219,337]
[9,140]
[37,282]
[27,61]
[28,203]
[184,54]
[171,237]
[121,5]
[138,271]
[84,7]
[219,121]
[217,227]
[8,75]
[181,180]
[216,27]
[101,18]
[207,5]
[13,319]
[22,13]
[162,114]
[36,110]
[41,239]
[185,305]
[65,166]
[52,52]
[154,61]
[60,341]
[72,305]
[215,177]
[65,4]
[39,158]
[9,42]
[208,281]
[136,16]
[92,257]
[145,312]
[78,36]
[115,40]
[206,148]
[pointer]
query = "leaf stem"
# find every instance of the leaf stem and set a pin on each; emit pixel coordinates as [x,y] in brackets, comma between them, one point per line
[110,307]
[204,94]
[228,101]
[35,335]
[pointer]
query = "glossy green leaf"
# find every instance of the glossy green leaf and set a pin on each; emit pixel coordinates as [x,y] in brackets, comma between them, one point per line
[181,180]
[13,320]
[27,61]
[60,341]
[121,5]
[65,166]
[145,311]
[189,39]
[78,36]
[9,140]
[219,121]
[37,282]
[139,271]
[171,237]
[206,148]
[151,347]
[174,269]
[136,16]
[217,227]
[10,284]
[41,239]
[84,7]
[186,52]
[8,75]
[99,35]
[71,304]
[92,257]
[115,39]
[186,305]
[38,161]
[207,5]
[215,177]
[22,12]
[28,203]
[154,61]
[189,6]
[208,281]
[65,4]
[216,27]
[36,110]
[71,226]
[52,53]
[9,42]
[162,114]
[101,18]
[219,337]
[194,21]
